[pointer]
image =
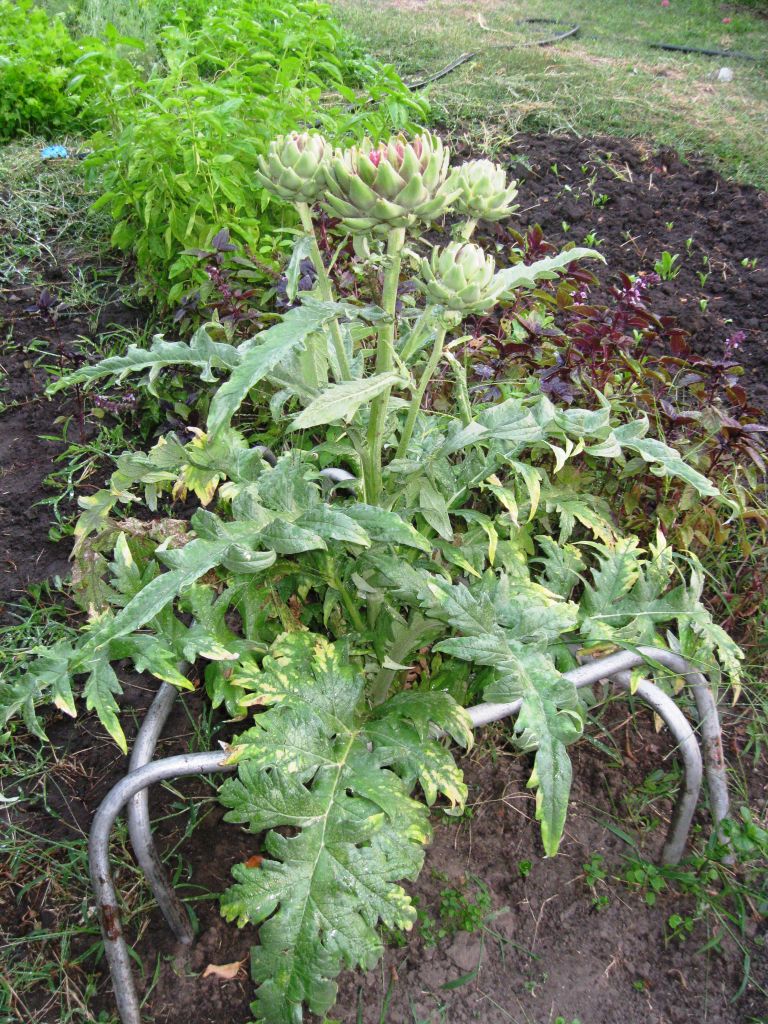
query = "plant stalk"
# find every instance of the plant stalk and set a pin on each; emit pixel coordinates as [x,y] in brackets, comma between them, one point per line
[413,411]
[325,288]
[385,360]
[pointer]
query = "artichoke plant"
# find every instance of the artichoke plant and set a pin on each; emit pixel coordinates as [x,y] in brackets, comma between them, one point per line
[461,277]
[483,191]
[391,185]
[292,168]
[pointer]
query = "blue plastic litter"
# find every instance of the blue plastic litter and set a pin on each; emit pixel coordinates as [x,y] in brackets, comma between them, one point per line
[54,153]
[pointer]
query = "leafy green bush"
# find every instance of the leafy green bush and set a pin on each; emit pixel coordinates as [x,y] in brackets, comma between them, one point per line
[310,597]
[48,82]
[178,162]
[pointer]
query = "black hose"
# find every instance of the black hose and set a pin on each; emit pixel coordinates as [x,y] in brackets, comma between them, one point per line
[568,30]
[709,53]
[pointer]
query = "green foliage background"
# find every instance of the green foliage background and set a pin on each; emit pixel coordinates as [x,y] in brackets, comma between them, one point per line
[182,112]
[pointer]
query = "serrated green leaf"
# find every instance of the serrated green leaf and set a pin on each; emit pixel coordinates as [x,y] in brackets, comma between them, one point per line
[389,527]
[551,775]
[99,691]
[435,510]
[201,352]
[341,401]
[668,461]
[522,276]
[333,524]
[263,354]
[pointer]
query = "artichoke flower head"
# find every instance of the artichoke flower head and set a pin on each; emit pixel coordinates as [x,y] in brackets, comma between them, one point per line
[461,277]
[483,191]
[391,184]
[292,168]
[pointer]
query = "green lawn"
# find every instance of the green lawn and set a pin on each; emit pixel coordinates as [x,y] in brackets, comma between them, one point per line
[604,80]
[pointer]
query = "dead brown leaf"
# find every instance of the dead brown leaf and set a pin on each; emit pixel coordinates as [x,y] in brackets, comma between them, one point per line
[224,972]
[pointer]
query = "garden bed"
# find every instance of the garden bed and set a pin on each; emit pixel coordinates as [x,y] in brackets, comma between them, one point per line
[553,951]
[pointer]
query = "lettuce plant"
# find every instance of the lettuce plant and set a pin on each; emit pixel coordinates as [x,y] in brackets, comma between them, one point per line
[308,593]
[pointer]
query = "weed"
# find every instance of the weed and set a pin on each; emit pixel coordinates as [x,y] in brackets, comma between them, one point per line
[594,870]
[462,910]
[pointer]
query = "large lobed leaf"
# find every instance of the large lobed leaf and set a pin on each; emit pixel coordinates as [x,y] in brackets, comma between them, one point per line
[316,761]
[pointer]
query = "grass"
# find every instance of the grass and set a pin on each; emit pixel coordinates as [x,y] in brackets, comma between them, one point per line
[605,80]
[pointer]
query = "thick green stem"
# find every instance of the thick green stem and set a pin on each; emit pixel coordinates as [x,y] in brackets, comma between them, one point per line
[385,360]
[325,288]
[413,411]
[348,601]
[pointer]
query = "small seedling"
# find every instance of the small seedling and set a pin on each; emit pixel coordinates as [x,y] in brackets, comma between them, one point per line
[565,226]
[592,240]
[524,868]
[689,245]
[703,277]
[647,878]
[601,200]
[667,267]
[703,305]
[679,927]
[750,264]
[594,870]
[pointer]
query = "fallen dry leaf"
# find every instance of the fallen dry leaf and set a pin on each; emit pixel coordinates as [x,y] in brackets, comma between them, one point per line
[254,861]
[225,972]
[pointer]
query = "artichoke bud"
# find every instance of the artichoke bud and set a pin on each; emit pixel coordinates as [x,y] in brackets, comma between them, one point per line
[292,168]
[483,191]
[389,185]
[461,277]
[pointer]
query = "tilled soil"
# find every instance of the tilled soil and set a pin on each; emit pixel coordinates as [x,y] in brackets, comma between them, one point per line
[545,950]
[640,204]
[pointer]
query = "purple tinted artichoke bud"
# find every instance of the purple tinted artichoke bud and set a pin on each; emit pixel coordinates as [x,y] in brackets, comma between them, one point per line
[392,184]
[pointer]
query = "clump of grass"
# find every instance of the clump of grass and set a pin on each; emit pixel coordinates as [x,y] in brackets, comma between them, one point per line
[45,213]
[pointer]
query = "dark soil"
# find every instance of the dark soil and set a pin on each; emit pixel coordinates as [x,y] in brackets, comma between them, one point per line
[545,951]
[27,555]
